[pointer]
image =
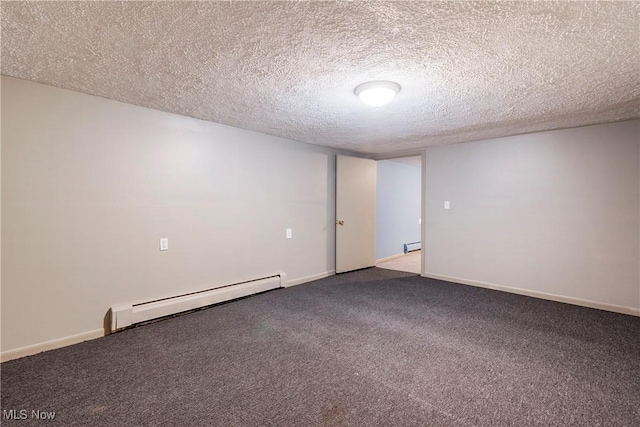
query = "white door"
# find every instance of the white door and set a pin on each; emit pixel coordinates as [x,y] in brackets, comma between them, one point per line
[355,213]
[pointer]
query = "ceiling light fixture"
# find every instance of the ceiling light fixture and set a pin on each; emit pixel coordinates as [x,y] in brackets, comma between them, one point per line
[377,94]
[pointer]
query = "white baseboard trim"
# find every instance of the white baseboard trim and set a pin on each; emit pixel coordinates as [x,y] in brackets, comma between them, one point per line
[50,345]
[302,280]
[389,258]
[537,294]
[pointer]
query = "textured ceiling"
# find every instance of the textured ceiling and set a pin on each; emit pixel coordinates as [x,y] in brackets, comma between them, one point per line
[468,71]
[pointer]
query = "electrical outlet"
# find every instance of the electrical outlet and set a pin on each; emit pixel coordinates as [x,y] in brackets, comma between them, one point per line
[446,204]
[164,244]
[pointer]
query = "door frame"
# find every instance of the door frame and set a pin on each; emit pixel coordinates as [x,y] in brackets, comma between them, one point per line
[423,186]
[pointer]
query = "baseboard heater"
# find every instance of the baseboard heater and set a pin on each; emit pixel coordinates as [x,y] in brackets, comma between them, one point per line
[123,316]
[413,246]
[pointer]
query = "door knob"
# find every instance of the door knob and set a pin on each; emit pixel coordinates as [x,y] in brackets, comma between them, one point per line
[340,222]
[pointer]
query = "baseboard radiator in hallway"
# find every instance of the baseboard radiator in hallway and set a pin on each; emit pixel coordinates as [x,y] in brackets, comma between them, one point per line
[413,246]
[123,316]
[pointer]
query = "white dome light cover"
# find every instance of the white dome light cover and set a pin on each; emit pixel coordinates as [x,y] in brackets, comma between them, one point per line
[378,93]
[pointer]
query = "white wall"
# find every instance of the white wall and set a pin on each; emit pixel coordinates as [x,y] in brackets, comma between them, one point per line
[89,185]
[553,214]
[398,205]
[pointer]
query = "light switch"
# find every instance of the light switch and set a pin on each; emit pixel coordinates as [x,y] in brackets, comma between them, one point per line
[419,221]
[289,233]
[164,244]
[446,204]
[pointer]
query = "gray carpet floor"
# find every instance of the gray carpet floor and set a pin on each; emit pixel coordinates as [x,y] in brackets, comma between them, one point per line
[369,348]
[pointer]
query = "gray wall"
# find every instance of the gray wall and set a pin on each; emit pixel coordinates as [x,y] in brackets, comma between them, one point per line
[551,214]
[89,185]
[397,206]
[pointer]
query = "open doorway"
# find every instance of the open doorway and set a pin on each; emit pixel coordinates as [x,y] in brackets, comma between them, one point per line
[398,214]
